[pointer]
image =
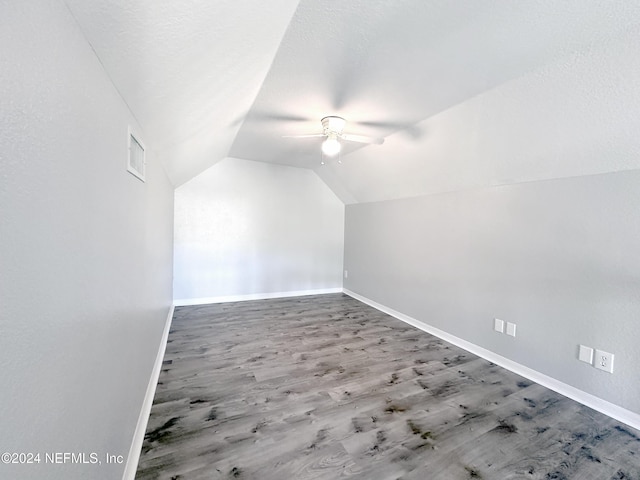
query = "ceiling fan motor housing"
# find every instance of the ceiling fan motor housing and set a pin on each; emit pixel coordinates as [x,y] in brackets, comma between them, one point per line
[333,124]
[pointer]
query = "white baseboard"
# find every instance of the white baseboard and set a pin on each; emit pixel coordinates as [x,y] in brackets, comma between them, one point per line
[614,411]
[141,427]
[252,296]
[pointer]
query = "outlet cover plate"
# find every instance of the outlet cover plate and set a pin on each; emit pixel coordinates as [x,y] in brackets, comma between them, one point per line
[498,325]
[511,329]
[604,361]
[586,354]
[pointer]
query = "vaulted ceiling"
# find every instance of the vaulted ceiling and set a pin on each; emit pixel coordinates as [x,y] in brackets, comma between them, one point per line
[465,93]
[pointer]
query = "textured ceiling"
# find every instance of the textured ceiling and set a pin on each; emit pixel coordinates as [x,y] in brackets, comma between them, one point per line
[466,93]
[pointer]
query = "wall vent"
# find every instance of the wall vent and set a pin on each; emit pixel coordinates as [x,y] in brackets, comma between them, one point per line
[136,162]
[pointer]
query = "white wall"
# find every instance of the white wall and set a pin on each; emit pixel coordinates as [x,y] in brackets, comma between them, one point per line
[540,226]
[559,258]
[85,251]
[245,228]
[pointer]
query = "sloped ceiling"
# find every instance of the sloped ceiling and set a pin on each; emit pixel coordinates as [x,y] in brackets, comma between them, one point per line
[465,93]
[188,69]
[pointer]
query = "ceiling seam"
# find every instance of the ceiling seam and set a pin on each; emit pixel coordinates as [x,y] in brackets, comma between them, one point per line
[268,71]
[106,72]
[100,61]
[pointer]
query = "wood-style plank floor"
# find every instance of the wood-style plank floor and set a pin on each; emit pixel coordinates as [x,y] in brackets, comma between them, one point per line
[325,387]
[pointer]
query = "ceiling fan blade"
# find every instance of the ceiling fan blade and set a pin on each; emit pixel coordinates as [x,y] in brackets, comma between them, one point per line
[410,128]
[280,117]
[362,139]
[259,116]
[315,135]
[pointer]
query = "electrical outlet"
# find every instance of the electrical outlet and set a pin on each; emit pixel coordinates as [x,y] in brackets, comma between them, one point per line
[498,325]
[604,361]
[346,274]
[511,329]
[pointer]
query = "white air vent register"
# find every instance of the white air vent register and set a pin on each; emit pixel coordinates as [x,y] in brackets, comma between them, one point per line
[136,163]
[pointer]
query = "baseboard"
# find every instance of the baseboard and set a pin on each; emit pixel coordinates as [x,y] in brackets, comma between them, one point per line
[614,411]
[141,427]
[253,296]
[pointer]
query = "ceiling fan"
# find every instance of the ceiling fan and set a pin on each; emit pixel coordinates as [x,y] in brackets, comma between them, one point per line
[333,129]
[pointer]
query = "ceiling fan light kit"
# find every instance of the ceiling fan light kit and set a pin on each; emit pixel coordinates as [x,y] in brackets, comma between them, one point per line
[331,146]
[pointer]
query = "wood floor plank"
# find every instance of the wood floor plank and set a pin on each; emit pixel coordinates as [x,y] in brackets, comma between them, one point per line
[325,387]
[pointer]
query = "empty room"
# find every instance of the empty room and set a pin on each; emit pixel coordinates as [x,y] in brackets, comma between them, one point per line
[305,239]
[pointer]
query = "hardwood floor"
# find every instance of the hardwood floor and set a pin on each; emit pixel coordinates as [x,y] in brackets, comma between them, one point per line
[325,387]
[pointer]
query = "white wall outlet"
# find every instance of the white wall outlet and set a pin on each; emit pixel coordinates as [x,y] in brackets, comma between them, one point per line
[346,274]
[498,325]
[511,329]
[604,361]
[585,354]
